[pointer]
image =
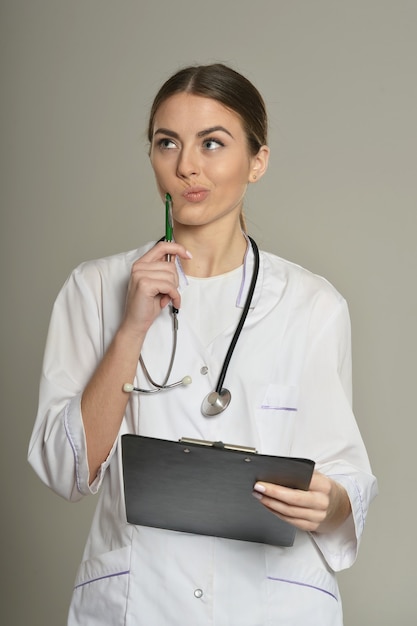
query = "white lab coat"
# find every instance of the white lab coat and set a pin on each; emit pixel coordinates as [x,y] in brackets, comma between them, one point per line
[290,378]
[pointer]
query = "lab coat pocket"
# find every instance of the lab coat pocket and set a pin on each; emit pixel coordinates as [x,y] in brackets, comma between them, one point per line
[276,416]
[305,590]
[281,398]
[101,588]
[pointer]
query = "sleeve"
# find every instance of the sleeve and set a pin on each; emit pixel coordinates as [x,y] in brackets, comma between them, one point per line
[327,432]
[74,347]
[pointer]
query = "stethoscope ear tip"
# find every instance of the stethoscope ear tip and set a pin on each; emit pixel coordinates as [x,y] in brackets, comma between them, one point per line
[128,387]
[187,380]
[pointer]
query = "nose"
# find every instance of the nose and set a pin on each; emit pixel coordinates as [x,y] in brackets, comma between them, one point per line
[188,164]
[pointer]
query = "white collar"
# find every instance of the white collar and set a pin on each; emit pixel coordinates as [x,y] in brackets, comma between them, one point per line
[248,265]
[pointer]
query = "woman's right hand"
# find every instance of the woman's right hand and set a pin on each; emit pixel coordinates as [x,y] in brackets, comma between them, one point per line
[152,286]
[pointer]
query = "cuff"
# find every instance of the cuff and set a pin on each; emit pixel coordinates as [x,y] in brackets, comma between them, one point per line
[74,428]
[340,547]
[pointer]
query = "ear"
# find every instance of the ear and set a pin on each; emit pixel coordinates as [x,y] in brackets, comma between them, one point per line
[259,164]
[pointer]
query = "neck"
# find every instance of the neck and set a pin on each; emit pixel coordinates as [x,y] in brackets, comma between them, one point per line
[214,252]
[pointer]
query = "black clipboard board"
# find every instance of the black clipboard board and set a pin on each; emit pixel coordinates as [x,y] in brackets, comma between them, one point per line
[206,488]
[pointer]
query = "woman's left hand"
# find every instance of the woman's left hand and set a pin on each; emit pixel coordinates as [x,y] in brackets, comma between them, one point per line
[323,508]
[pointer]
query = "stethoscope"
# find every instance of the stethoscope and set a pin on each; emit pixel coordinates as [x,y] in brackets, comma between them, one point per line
[219,399]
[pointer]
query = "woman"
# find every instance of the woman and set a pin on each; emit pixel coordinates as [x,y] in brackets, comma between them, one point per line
[290,376]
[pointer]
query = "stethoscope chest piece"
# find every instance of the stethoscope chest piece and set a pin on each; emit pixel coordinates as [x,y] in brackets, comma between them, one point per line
[215,403]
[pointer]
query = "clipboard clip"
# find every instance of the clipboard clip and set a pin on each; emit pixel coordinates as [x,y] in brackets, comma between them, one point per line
[218,444]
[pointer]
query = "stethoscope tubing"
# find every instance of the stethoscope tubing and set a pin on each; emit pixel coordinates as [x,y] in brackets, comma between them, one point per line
[164,385]
[242,320]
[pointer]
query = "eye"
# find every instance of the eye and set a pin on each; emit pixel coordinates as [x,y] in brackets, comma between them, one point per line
[212,144]
[166,144]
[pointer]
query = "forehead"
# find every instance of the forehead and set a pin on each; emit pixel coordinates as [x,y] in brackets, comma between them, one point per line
[192,113]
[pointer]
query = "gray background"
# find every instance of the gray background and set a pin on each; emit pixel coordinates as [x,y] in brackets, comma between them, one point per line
[339,79]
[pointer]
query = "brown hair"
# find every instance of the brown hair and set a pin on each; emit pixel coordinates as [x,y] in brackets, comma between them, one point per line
[221,83]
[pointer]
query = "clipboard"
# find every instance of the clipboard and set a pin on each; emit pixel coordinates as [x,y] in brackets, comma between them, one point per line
[206,488]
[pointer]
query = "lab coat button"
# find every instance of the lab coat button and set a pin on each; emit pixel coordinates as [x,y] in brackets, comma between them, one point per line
[198,593]
[204,370]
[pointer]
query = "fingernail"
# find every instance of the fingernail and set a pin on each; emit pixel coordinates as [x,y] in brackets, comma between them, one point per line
[188,253]
[257,495]
[259,487]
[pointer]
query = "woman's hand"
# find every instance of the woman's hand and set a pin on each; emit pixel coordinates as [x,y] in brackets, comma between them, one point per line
[153,284]
[323,508]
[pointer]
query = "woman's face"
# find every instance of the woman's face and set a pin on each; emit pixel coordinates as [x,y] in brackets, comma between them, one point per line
[200,156]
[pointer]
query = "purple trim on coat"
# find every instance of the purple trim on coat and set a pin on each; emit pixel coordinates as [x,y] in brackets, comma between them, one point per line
[358,493]
[74,449]
[93,580]
[294,582]
[242,284]
[278,408]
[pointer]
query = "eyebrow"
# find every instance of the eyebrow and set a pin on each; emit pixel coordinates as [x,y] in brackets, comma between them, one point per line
[202,133]
[213,129]
[165,131]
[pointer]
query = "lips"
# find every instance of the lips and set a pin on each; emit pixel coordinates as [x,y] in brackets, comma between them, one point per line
[195,194]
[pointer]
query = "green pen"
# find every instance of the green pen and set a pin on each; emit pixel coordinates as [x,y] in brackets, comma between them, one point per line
[168,236]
